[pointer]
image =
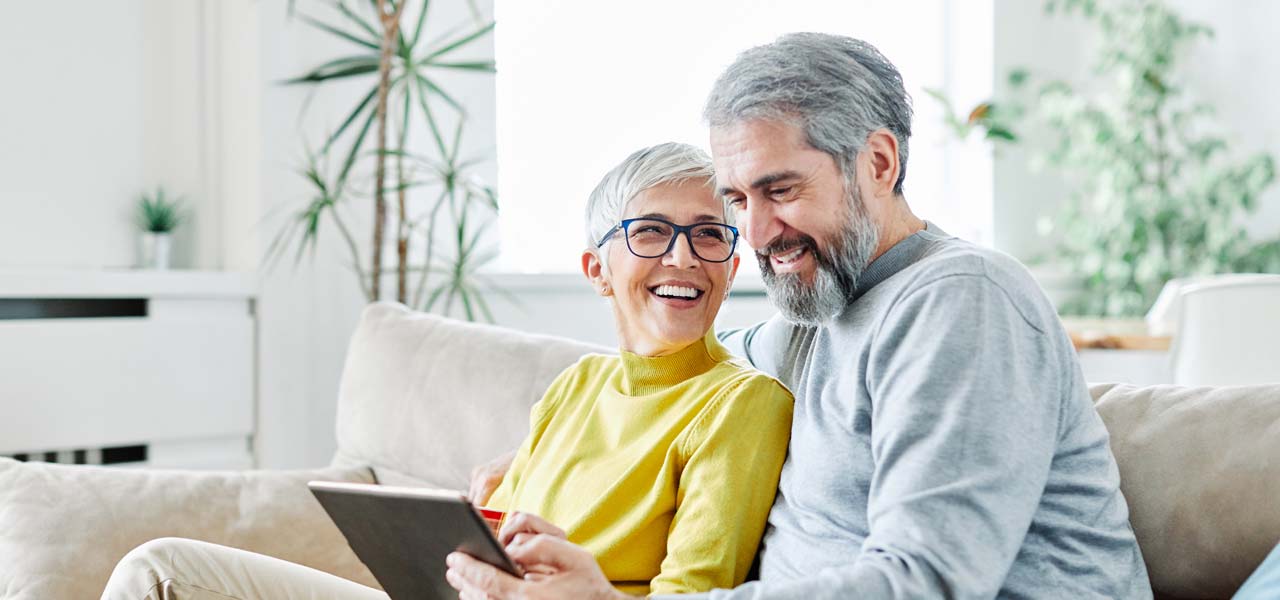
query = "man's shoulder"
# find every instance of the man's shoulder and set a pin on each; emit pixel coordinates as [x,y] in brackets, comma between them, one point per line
[951,265]
[954,256]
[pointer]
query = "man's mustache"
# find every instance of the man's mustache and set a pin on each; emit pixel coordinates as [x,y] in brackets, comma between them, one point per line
[784,245]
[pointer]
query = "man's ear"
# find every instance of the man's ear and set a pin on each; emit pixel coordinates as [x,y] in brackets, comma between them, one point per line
[594,269]
[877,163]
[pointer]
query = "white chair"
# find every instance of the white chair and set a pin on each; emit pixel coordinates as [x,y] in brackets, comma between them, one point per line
[1228,331]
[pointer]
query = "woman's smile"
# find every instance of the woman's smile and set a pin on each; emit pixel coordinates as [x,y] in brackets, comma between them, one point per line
[679,294]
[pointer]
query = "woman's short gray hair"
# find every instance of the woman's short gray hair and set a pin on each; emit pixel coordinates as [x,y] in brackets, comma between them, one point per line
[836,88]
[669,163]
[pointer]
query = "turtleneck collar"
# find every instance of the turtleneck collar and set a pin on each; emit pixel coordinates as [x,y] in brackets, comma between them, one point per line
[643,375]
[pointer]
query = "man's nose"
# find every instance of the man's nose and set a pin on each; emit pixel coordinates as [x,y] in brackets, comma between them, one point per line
[681,253]
[760,224]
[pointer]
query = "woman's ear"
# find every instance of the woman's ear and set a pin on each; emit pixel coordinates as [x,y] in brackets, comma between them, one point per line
[733,272]
[594,269]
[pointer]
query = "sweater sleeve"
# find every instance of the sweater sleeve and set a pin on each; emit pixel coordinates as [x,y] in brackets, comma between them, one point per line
[539,416]
[964,425]
[764,344]
[734,457]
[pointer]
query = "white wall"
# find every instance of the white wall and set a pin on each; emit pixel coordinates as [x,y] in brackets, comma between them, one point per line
[125,96]
[186,93]
[73,119]
[1233,72]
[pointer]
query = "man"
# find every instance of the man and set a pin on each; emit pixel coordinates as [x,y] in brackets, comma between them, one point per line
[944,443]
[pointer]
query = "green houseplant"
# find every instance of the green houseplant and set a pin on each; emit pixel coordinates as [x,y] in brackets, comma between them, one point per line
[157,217]
[1156,192]
[429,198]
[1159,195]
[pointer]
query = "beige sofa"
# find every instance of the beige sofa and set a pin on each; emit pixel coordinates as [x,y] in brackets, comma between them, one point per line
[423,399]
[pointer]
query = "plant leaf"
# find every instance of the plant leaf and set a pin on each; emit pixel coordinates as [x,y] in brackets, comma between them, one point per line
[318,24]
[351,66]
[355,149]
[431,120]
[450,100]
[422,19]
[434,297]
[999,133]
[460,42]
[355,113]
[359,21]
[404,117]
[484,66]
[464,294]
[457,144]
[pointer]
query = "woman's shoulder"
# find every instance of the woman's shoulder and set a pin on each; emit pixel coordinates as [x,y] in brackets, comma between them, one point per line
[590,370]
[591,364]
[747,402]
[746,391]
[742,378]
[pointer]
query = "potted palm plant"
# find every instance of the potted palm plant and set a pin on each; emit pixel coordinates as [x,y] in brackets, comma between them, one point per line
[158,216]
[424,193]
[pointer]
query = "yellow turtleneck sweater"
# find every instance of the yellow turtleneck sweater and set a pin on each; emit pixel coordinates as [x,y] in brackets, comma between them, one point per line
[663,467]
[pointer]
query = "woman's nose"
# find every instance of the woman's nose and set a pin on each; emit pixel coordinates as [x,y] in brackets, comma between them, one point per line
[681,253]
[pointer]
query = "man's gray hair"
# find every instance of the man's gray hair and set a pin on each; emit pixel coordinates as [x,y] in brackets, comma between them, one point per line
[836,89]
[669,163]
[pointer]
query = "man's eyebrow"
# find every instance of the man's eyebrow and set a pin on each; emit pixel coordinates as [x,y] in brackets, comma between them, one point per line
[764,180]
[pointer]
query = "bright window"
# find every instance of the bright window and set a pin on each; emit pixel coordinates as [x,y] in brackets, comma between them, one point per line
[583,83]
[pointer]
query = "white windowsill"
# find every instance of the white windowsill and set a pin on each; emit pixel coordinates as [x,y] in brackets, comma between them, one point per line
[124,283]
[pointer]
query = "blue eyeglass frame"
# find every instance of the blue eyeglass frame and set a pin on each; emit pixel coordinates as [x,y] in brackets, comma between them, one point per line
[675,235]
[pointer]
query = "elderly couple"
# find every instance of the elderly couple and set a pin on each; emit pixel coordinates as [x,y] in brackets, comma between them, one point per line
[941,442]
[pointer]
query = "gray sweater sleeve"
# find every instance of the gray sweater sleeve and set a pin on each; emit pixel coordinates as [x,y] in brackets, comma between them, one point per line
[965,417]
[755,343]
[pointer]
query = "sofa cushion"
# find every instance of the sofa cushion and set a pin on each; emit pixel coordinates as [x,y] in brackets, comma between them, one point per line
[63,528]
[424,399]
[1200,469]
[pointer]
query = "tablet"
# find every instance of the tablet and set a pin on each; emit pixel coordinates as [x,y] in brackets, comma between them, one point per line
[404,534]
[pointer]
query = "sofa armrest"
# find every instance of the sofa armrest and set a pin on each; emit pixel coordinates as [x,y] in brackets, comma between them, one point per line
[63,528]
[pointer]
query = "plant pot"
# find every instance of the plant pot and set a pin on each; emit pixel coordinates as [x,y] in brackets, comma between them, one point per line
[154,250]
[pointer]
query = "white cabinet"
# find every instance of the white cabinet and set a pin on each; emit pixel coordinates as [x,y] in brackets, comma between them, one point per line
[155,368]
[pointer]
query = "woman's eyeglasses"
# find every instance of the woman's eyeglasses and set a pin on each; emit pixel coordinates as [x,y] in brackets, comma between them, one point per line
[649,237]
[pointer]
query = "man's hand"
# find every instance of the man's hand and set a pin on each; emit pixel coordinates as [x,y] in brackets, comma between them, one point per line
[562,569]
[486,477]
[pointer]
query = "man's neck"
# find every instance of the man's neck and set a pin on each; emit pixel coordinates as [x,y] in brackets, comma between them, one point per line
[900,225]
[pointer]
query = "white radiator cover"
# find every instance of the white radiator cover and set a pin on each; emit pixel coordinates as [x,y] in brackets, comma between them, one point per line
[179,380]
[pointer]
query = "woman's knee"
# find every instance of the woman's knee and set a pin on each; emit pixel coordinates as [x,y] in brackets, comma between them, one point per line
[165,551]
[142,571]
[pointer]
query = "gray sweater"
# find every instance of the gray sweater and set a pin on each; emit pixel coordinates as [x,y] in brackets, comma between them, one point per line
[944,444]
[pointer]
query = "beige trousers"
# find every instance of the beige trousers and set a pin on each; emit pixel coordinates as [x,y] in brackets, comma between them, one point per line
[179,569]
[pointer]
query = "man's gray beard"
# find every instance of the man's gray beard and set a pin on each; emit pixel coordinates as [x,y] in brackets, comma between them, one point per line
[836,277]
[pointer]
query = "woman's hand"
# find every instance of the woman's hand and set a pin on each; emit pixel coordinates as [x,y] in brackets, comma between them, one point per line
[486,477]
[559,568]
[520,526]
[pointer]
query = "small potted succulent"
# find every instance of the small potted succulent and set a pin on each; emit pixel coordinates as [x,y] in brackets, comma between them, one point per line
[158,216]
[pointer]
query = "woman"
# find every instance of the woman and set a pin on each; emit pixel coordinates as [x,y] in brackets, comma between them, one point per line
[662,461]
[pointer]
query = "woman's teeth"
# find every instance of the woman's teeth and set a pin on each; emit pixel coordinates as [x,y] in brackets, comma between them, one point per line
[789,256]
[675,291]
